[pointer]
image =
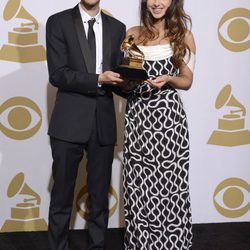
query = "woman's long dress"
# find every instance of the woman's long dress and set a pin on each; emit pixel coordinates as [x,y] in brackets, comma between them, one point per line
[156,162]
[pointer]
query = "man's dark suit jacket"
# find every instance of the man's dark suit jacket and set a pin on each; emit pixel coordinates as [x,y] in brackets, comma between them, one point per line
[72,71]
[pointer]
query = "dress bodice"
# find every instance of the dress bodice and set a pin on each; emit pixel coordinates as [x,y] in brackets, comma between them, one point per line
[158,60]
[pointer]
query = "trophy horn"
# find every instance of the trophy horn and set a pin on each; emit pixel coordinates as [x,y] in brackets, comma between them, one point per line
[131,48]
[127,43]
[18,186]
[13,9]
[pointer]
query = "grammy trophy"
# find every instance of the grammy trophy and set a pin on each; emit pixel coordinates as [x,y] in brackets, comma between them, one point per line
[132,62]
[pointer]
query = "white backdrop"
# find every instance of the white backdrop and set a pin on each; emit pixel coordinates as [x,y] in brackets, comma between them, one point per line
[219,138]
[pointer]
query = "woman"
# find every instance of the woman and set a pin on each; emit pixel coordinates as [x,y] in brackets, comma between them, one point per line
[156,145]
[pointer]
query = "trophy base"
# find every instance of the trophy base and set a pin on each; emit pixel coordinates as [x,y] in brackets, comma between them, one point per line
[28,54]
[130,73]
[24,213]
[21,226]
[229,139]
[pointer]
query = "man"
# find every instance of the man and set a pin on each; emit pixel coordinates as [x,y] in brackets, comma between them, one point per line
[83,44]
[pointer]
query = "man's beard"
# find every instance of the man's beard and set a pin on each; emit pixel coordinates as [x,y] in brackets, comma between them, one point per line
[89,6]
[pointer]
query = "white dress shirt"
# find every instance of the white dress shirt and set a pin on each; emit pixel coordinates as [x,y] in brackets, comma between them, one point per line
[98,35]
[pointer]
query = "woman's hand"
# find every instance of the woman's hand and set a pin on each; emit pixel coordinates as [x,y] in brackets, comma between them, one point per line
[159,81]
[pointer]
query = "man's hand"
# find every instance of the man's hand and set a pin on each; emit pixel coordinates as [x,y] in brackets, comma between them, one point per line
[109,77]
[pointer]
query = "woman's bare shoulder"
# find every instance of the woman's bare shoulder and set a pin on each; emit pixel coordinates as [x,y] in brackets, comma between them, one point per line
[135,31]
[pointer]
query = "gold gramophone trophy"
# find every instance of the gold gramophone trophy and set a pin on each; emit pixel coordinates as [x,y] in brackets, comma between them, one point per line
[132,62]
[25,215]
[231,127]
[23,44]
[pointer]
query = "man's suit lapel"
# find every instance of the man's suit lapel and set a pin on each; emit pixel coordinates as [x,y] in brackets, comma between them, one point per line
[106,42]
[83,40]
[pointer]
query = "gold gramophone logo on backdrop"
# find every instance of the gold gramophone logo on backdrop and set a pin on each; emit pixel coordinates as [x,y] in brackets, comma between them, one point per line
[20,118]
[236,36]
[22,44]
[231,126]
[232,198]
[25,216]
[82,203]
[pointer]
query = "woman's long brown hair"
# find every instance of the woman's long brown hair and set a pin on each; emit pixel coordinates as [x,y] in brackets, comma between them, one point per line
[176,26]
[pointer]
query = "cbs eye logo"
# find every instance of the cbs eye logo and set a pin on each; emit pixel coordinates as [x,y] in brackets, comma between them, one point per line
[82,203]
[232,198]
[234,30]
[20,118]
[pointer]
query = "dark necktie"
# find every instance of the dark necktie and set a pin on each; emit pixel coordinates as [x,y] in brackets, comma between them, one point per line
[91,40]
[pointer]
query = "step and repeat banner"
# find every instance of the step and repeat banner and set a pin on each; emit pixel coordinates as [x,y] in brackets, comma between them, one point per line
[217,106]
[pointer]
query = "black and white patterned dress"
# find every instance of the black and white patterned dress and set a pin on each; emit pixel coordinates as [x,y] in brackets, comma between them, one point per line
[156,162]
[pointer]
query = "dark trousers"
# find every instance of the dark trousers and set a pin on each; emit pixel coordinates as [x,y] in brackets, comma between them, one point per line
[66,159]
